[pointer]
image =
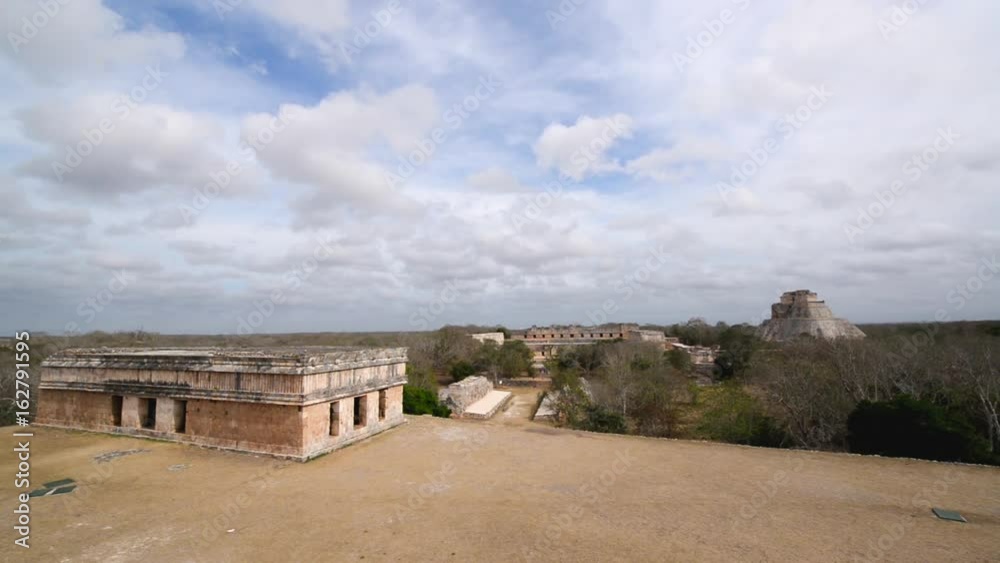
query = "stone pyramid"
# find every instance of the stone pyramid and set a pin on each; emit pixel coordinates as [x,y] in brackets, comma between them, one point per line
[801,312]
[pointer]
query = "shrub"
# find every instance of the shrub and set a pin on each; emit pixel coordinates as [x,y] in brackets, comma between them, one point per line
[599,419]
[734,416]
[462,369]
[679,359]
[417,400]
[908,427]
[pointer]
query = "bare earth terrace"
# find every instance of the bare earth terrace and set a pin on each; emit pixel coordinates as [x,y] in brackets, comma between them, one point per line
[451,490]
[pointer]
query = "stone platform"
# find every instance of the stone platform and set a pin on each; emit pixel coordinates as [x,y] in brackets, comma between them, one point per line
[488,406]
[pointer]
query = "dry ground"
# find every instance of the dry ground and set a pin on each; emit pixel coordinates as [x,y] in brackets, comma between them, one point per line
[504,490]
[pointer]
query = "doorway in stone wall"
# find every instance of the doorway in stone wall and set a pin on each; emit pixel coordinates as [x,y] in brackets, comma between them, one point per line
[360,411]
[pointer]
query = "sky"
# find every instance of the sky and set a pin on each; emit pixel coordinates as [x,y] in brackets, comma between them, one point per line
[254,166]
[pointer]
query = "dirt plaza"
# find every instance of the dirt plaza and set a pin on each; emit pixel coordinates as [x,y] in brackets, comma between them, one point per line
[503,490]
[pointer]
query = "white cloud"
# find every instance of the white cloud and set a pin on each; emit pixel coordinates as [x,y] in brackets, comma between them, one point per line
[102,146]
[330,146]
[652,182]
[580,150]
[495,180]
[59,41]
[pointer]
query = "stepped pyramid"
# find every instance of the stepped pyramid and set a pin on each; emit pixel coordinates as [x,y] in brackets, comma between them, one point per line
[801,312]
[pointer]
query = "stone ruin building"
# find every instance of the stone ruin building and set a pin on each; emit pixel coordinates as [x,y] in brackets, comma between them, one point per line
[293,403]
[473,397]
[484,337]
[803,313]
[545,342]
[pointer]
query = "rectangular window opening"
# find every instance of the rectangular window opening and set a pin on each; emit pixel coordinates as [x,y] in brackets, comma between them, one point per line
[147,413]
[116,409]
[180,416]
[360,411]
[382,399]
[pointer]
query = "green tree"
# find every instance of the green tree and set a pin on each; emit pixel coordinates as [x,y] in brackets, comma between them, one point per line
[515,359]
[421,377]
[417,400]
[679,359]
[907,427]
[488,360]
[599,419]
[733,415]
[738,346]
[462,369]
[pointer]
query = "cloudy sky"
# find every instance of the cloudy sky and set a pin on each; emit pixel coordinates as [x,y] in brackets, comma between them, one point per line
[313,165]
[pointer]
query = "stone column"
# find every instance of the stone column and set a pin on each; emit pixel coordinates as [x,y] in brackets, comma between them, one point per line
[347,415]
[164,415]
[372,404]
[130,412]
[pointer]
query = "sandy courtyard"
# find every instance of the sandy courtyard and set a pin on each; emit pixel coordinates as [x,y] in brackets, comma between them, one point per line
[504,490]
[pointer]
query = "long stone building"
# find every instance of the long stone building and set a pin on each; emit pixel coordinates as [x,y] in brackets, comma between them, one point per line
[545,342]
[294,403]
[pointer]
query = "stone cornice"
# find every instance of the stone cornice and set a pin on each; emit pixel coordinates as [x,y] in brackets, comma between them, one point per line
[287,361]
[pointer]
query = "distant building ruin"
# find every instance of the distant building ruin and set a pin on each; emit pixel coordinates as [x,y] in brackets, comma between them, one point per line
[803,313]
[483,337]
[294,403]
[545,342]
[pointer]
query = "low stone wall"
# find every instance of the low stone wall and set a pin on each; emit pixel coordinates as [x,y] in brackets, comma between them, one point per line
[458,396]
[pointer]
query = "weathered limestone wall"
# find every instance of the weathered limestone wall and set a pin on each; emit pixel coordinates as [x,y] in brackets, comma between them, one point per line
[497,337]
[189,384]
[246,426]
[130,412]
[317,438]
[87,410]
[281,388]
[459,395]
[326,386]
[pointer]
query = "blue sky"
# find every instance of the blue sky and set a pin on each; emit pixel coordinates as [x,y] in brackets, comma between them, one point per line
[555,148]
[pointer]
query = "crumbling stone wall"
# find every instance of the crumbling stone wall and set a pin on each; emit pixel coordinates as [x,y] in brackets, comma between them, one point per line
[459,395]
